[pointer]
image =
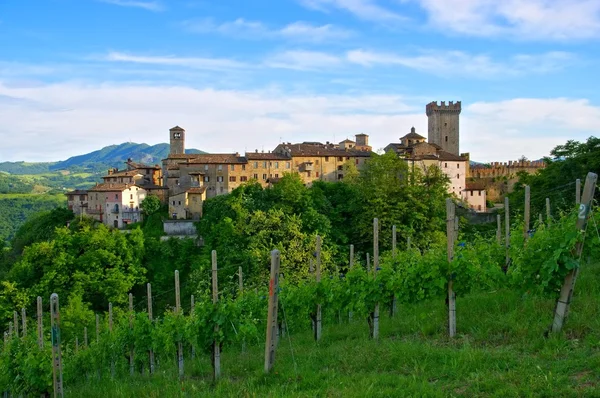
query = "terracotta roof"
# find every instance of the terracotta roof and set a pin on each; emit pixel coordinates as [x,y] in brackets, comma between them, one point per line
[319,150]
[176,128]
[265,156]
[77,192]
[124,173]
[443,155]
[395,147]
[196,190]
[112,187]
[141,165]
[218,158]
[413,135]
[348,141]
[475,186]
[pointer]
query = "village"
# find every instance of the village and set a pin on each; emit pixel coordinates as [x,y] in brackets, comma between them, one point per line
[185,181]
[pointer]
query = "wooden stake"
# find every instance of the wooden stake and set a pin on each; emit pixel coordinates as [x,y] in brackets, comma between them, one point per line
[394,241]
[192,307]
[548,214]
[24,322]
[215,294]
[578,192]
[131,353]
[527,211]
[151,352]
[16,323]
[178,312]
[241,278]
[271,344]
[368,263]
[566,292]
[57,375]
[318,265]
[40,324]
[507,233]
[450,221]
[499,229]
[76,344]
[375,332]
[311,265]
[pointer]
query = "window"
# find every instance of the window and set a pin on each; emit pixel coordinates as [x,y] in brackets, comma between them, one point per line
[327,158]
[243,178]
[288,165]
[206,179]
[276,165]
[256,165]
[445,165]
[356,160]
[180,203]
[264,165]
[232,179]
[131,196]
[205,167]
[264,177]
[219,167]
[233,167]
[471,193]
[479,193]
[340,168]
[219,178]
[173,203]
[340,176]
[255,176]
[316,174]
[445,124]
[317,162]
[340,159]
[347,157]
[308,173]
[276,175]
[243,167]
[479,207]
[117,196]
[177,182]
[458,165]
[446,138]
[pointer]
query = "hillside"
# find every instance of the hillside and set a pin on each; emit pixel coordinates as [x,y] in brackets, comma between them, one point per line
[96,161]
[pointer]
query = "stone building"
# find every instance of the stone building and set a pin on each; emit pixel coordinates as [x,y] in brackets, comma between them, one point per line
[77,201]
[116,204]
[443,125]
[475,196]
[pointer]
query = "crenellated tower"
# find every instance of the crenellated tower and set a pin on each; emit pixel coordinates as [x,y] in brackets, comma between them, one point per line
[443,125]
[177,141]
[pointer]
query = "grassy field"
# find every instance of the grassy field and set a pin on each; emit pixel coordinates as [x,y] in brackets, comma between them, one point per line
[500,351]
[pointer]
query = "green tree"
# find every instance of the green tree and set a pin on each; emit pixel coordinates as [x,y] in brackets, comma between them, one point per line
[150,205]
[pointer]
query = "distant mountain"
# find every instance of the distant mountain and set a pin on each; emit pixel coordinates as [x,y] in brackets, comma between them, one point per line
[97,161]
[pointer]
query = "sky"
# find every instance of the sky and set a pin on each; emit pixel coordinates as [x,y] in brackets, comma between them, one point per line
[240,75]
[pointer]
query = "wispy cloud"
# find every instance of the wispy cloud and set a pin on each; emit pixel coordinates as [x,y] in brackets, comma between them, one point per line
[303,60]
[241,28]
[461,63]
[186,62]
[367,10]
[146,5]
[525,20]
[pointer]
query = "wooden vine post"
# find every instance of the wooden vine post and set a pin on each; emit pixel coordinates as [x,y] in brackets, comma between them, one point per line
[57,375]
[499,229]
[548,214]
[394,308]
[375,320]
[318,319]
[368,263]
[40,324]
[450,233]
[178,313]
[131,353]
[527,211]
[578,192]
[271,344]
[241,279]
[507,233]
[566,292]
[16,323]
[192,307]
[350,266]
[24,322]
[215,293]
[151,352]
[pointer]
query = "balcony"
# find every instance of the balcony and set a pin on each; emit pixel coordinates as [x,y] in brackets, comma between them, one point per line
[306,166]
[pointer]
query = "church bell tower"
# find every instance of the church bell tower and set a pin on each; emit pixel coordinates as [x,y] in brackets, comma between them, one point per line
[177,141]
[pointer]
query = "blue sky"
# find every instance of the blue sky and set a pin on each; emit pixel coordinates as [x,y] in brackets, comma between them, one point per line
[76,75]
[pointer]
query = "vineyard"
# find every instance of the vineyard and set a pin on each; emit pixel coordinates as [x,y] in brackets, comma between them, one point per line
[534,258]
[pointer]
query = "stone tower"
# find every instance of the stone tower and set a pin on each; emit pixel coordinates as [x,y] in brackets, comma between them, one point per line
[177,138]
[443,126]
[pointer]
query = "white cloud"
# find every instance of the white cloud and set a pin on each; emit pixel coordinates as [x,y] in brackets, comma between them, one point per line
[187,62]
[146,5]
[530,19]
[457,62]
[363,9]
[241,28]
[303,60]
[55,121]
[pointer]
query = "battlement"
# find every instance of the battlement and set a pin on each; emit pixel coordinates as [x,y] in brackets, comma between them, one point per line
[506,169]
[433,106]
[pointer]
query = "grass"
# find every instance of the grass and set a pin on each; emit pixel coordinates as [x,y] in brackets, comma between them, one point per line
[500,351]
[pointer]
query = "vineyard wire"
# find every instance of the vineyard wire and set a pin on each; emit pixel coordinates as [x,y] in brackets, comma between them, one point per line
[289,340]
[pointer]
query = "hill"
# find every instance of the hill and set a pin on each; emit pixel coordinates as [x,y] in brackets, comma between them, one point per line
[96,161]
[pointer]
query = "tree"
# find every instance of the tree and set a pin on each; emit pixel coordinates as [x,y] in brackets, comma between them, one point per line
[150,205]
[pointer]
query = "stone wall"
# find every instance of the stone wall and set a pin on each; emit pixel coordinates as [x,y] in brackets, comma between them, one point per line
[180,227]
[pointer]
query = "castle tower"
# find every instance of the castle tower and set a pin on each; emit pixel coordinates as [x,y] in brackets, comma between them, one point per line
[443,126]
[177,140]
